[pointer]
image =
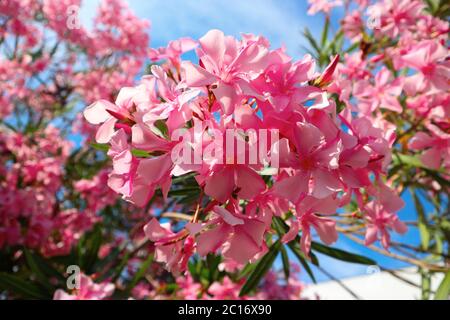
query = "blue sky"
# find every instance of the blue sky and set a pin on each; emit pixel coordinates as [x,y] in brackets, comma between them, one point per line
[279,21]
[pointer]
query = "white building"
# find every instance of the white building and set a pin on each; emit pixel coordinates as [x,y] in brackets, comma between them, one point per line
[376,285]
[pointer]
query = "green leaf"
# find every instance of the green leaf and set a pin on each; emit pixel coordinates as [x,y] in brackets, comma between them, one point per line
[21,287]
[140,273]
[92,244]
[411,161]
[325,32]
[302,259]
[100,146]
[443,291]
[286,264]
[341,254]
[46,268]
[422,222]
[140,153]
[37,270]
[119,269]
[352,47]
[312,42]
[261,269]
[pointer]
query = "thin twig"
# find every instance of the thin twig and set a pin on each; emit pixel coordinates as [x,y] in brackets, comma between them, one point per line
[413,261]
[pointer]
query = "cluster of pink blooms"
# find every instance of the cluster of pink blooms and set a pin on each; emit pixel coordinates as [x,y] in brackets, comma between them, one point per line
[95,61]
[46,65]
[31,213]
[409,76]
[272,287]
[325,159]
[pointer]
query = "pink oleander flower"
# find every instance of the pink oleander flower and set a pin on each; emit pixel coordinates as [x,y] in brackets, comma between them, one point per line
[314,158]
[397,15]
[173,51]
[353,26]
[309,213]
[240,238]
[172,249]
[226,66]
[109,114]
[436,146]
[325,6]
[430,59]
[225,290]
[189,289]
[383,93]
[379,220]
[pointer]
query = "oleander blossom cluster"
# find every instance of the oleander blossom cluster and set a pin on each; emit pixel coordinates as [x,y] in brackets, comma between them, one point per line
[324,159]
[43,77]
[274,286]
[404,72]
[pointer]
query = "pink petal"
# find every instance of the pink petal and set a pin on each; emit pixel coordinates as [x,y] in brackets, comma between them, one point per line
[432,158]
[326,229]
[291,188]
[154,169]
[250,183]
[96,113]
[292,233]
[227,216]
[371,235]
[220,185]
[196,76]
[325,184]
[106,131]
[240,248]
[154,231]
[211,240]
[307,136]
[227,97]
[213,45]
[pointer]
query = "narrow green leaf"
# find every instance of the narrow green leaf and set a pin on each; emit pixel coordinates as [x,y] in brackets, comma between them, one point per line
[140,273]
[312,41]
[123,263]
[325,32]
[261,269]
[47,268]
[162,128]
[93,243]
[140,153]
[411,161]
[352,47]
[341,254]
[443,291]
[421,222]
[37,270]
[99,146]
[301,258]
[21,287]
[286,264]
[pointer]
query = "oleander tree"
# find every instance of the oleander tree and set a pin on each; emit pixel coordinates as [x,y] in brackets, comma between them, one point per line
[129,172]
